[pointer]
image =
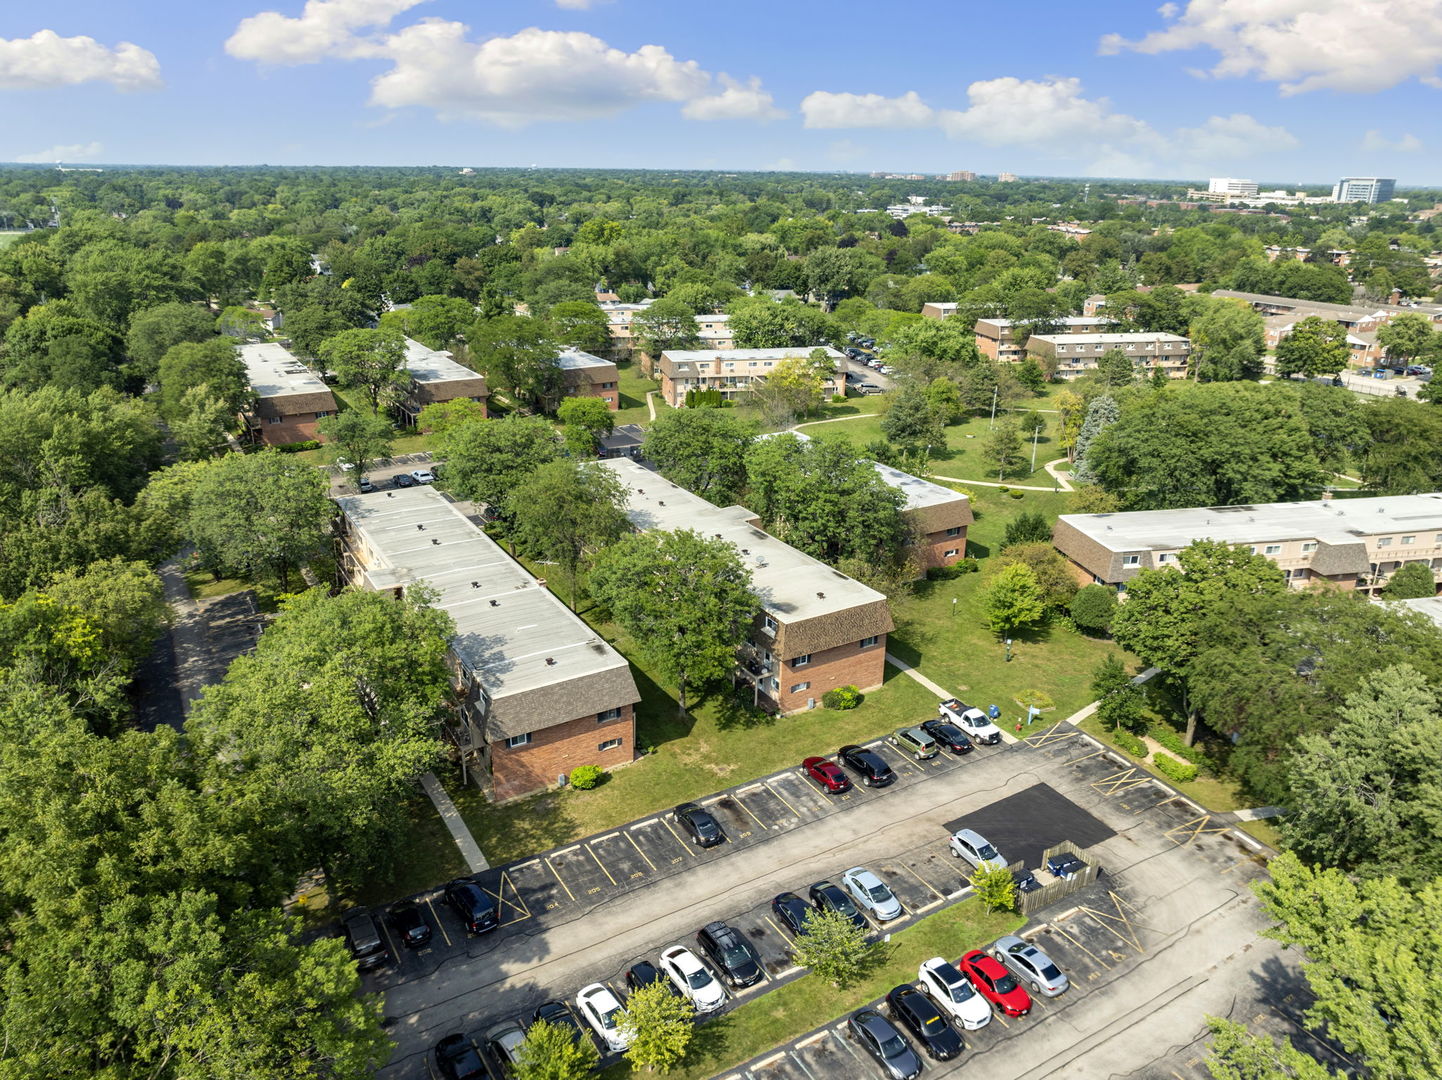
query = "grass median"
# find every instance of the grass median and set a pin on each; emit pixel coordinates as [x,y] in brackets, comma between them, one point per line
[808,1002]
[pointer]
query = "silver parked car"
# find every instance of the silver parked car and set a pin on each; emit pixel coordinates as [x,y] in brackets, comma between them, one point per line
[871,894]
[970,845]
[1031,966]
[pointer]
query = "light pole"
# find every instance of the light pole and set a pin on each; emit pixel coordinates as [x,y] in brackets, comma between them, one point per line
[1035,435]
[1008,650]
[992,421]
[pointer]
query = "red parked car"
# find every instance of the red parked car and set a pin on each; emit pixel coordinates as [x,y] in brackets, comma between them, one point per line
[828,774]
[995,983]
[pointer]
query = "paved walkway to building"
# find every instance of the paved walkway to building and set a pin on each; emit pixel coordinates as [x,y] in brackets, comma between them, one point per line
[1257,813]
[196,665]
[460,832]
[1062,479]
[985,483]
[941,692]
[651,402]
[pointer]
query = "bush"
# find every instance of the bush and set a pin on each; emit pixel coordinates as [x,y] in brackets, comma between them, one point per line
[1170,767]
[1129,742]
[838,399]
[842,698]
[1014,494]
[1092,608]
[1002,488]
[967,565]
[585,777]
[1168,737]
[1040,698]
[297,447]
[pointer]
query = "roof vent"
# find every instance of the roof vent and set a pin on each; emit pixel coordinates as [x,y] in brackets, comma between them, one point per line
[550,661]
[390,494]
[660,502]
[640,491]
[436,541]
[821,596]
[420,528]
[495,603]
[745,551]
[475,584]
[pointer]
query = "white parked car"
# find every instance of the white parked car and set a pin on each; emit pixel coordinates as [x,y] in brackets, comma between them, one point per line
[953,993]
[599,1008]
[423,476]
[976,849]
[692,978]
[971,720]
[871,894]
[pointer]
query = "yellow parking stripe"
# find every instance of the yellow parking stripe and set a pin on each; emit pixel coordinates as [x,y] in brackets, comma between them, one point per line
[677,835]
[783,800]
[748,810]
[561,880]
[640,852]
[439,925]
[602,865]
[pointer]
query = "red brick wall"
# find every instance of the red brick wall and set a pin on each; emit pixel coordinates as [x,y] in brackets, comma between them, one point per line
[612,397]
[559,749]
[933,547]
[844,665]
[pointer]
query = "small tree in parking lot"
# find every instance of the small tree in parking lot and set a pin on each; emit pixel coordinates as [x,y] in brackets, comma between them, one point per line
[995,887]
[553,1052]
[834,947]
[660,1024]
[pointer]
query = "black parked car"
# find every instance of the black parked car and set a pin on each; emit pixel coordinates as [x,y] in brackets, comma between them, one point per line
[698,824]
[923,1019]
[403,480]
[730,954]
[473,904]
[556,1013]
[948,735]
[828,896]
[410,925]
[867,764]
[364,938]
[644,973]
[791,910]
[883,1042]
[458,1059]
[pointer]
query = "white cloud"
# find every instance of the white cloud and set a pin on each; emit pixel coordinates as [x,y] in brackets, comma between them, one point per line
[324,29]
[578,5]
[1011,111]
[1235,136]
[46,60]
[827,110]
[1359,46]
[736,101]
[71,152]
[1377,143]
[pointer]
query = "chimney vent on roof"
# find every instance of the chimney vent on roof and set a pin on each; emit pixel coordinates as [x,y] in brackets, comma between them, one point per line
[821,596]
[420,528]
[660,502]
[550,661]
[390,494]
[495,603]
[436,541]
[475,584]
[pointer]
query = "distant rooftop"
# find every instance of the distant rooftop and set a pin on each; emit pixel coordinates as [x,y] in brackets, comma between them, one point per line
[427,365]
[1320,307]
[1431,606]
[274,372]
[1332,521]
[706,356]
[1067,320]
[575,359]
[1107,339]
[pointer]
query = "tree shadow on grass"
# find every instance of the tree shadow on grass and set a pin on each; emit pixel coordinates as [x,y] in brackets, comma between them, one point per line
[735,712]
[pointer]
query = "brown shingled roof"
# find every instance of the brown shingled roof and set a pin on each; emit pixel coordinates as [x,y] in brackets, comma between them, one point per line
[547,706]
[837,628]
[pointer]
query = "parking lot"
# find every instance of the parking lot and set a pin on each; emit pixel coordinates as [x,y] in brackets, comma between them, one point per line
[1174,885]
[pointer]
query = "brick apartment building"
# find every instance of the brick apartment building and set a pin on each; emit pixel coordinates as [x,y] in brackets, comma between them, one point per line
[714,332]
[436,377]
[585,375]
[939,309]
[1347,543]
[1361,321]
[732,371]
[1073,355]
[289,397]
[543,692]
[817,629]
[1001,339]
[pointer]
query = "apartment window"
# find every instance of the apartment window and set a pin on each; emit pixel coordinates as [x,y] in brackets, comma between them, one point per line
[609,744]
[1409,539]
[1164,558]
[767,364]
[608,715]
[729,365]
[518,740]
[802,660]
[768,624]
[1384,541]
[800,687]
[1437,539]
[1131,560]
[321,415]
[1273,549]
[955,531]
[1308,548]
[867,642]
[274,419]
[949,552]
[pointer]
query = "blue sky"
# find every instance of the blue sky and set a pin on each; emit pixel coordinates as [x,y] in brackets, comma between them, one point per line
[1279,90]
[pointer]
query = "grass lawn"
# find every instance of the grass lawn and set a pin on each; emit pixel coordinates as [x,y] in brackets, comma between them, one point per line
[8,238]
[633,387]
[807,1002]
[428,857]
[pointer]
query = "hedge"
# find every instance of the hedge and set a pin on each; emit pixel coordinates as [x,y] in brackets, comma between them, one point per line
[841,698]
[585,777]
[1180,771]
[1129,742]
[1168,737]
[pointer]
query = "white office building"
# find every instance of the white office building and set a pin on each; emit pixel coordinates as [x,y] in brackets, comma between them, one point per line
[1229,185]
[1368,189]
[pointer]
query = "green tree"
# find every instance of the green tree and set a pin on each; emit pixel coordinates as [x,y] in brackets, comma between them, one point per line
[793,388]
[240,322]
[994,887]
[1014,600]
[666,324]
[1115,369]
[565,508]
[912,421]
[1003,446]
[309,328]
[1403,451]
[1407,337]
[587,421]
[440,417]
[762,323]
[372,361]
[1101,413]
[1029,527]
[201,422]
[684,598]
[1119,700]
[155,331]
[485,461]
[214,364]
[660,1025]
[1072,409]
[580,324]
[702,450]
[944,397]
[519,354]
[1053,572]
[260,514]
[1315,346]
[555,1052]
[434,321]
[834,948]
[1235,1054]
[1030,374]
[1228,338]
[357,437]
[1092,608]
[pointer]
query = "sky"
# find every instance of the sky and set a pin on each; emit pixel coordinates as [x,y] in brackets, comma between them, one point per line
[1282,91]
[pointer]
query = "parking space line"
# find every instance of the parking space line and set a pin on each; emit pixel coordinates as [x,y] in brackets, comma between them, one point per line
[640,852]
[743,806]
[1190,830]
[1052,734]
[677,835]
[1105,921]
[1000,1018]
[1121,781]
[772,924]
[389,941]
[784,801]
[1080,946]
[921,879]
[517,905]
[562,880]
[437,919]
[814,1038]
[597,860]
[566,850]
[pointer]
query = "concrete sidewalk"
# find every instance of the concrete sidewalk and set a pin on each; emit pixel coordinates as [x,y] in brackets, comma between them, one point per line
[460,831]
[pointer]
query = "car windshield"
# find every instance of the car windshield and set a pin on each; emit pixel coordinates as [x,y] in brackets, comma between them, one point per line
[841,903]
[961,991]
[735,955]
[892,1047]
[986,851]
[698,979]
[1005,985]
[931,1024]
[1049,971]
[608,1017]
[879,893]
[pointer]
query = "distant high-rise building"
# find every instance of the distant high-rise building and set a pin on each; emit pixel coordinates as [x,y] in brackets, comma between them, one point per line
[1368,189]
[1006,178]
[962,174]
[1227,185]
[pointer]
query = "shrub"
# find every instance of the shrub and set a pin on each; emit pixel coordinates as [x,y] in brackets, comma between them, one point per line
[1092,608]
[1168,737]
[1002,488]
[1129,742]
[1170,767]
[838,399]
[298,447]
[1014,494]
[585,777]
[1040,698]
[842,698]
[1031,527]
[967,565]
[995,888]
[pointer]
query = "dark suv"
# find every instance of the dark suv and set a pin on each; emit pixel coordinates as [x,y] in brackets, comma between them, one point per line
[698,824]
[364,939]
[473,904]
[867,764]
[730,953]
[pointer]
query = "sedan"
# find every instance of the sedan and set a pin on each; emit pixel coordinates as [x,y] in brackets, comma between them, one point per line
[505,1041]
[953,993]
[995,983]
[883,1042]
[698,824]
[404,480]
[948,735]
[599,1008]
[971,720]
[410,925]
[690,976]
[458,1059]
[730,954]
[365,485]
[364,939]
[970,845]
[867,764]
[827,896]
[423,476]
[642,974]
[924,1020]
[1031,966]
[792,911]
[556,1014]
[827,774]
[871,894]
[473,904]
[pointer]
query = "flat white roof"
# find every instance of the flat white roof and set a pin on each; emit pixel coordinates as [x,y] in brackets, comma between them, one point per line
[574,359]
[1068,320]
[427,365]
[273,371]
[1431,606]
[1332,521]
[918,492]
[791,584]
